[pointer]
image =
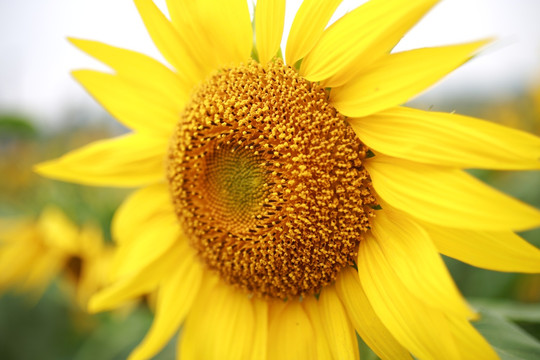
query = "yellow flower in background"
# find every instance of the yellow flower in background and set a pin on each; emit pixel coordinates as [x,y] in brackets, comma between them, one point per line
[282,206]
[34,253]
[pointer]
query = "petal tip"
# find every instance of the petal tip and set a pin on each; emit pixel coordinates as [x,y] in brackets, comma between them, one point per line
[46,168]
[94,305]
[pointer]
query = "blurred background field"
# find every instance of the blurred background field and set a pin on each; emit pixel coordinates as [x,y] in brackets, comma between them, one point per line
[36,125]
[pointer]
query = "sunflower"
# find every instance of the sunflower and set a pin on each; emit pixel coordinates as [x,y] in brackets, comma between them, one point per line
[286,204]
[33,253]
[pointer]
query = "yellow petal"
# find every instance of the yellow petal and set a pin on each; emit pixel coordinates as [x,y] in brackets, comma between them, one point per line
[421,329]
[337,327]
[470,343]
[233,324]
[129,160]
[229,25]
[90,239]
[361,37]
[192,344]
[313,311]
[141,206]
[175,297]
[365,320]
[398,77]
[42,271]
[143,248]
[447,197]
[139,68]
[269,20]
[94,271]
[291,334]
[499,251]
[19,249]
[418,265]
[260,331]
[307,27]
[136,106]
[448,139]
[143,282]
[224,325]
[58,232]
[170,43]
[191,27]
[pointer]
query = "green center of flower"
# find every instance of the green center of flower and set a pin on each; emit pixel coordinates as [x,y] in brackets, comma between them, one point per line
[267,181]
[235,184]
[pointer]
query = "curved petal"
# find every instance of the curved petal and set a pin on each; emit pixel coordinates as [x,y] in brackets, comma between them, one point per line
[337,327]
[41,271]
[191,28]
[313,311]
[448,139]
[361,37]
[447,197]
[137,106]
[53,222]
[291,333]
[143,282]
[499,251]
[221,324]
[175,297]
[269,20]
[201,25]
[365,320]
[423,330]
[418,265]
[398,77]
[308,27]
[149,241]
[170,44]
[140,207]
[470,343]
[125,161]
[139,68]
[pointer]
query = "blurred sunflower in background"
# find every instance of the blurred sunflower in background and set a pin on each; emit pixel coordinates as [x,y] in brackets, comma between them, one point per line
[286,204]
[33,253]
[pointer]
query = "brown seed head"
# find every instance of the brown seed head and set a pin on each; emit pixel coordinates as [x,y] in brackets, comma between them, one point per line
[267,181]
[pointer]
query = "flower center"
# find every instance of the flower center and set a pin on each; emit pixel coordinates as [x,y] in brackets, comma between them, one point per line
[267,181]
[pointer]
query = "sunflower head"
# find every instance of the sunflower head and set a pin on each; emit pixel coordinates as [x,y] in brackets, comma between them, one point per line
[267,180]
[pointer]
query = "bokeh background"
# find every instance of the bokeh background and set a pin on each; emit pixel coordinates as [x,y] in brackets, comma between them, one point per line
[44,113]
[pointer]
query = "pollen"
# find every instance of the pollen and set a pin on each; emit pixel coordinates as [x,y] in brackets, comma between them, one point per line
[267,181]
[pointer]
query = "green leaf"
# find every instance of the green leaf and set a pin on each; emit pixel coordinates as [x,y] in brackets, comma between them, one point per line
[511,310]
[365,352]
[508,339]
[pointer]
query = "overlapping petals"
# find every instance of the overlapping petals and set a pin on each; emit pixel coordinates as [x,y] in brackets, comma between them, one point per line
[232,316]
[447,197]
[448,139]
[396,78]
[153,218]
[360,38]
[176,295]
[308,27]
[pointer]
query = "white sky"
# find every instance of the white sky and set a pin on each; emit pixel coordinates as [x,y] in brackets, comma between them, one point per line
[35,58]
